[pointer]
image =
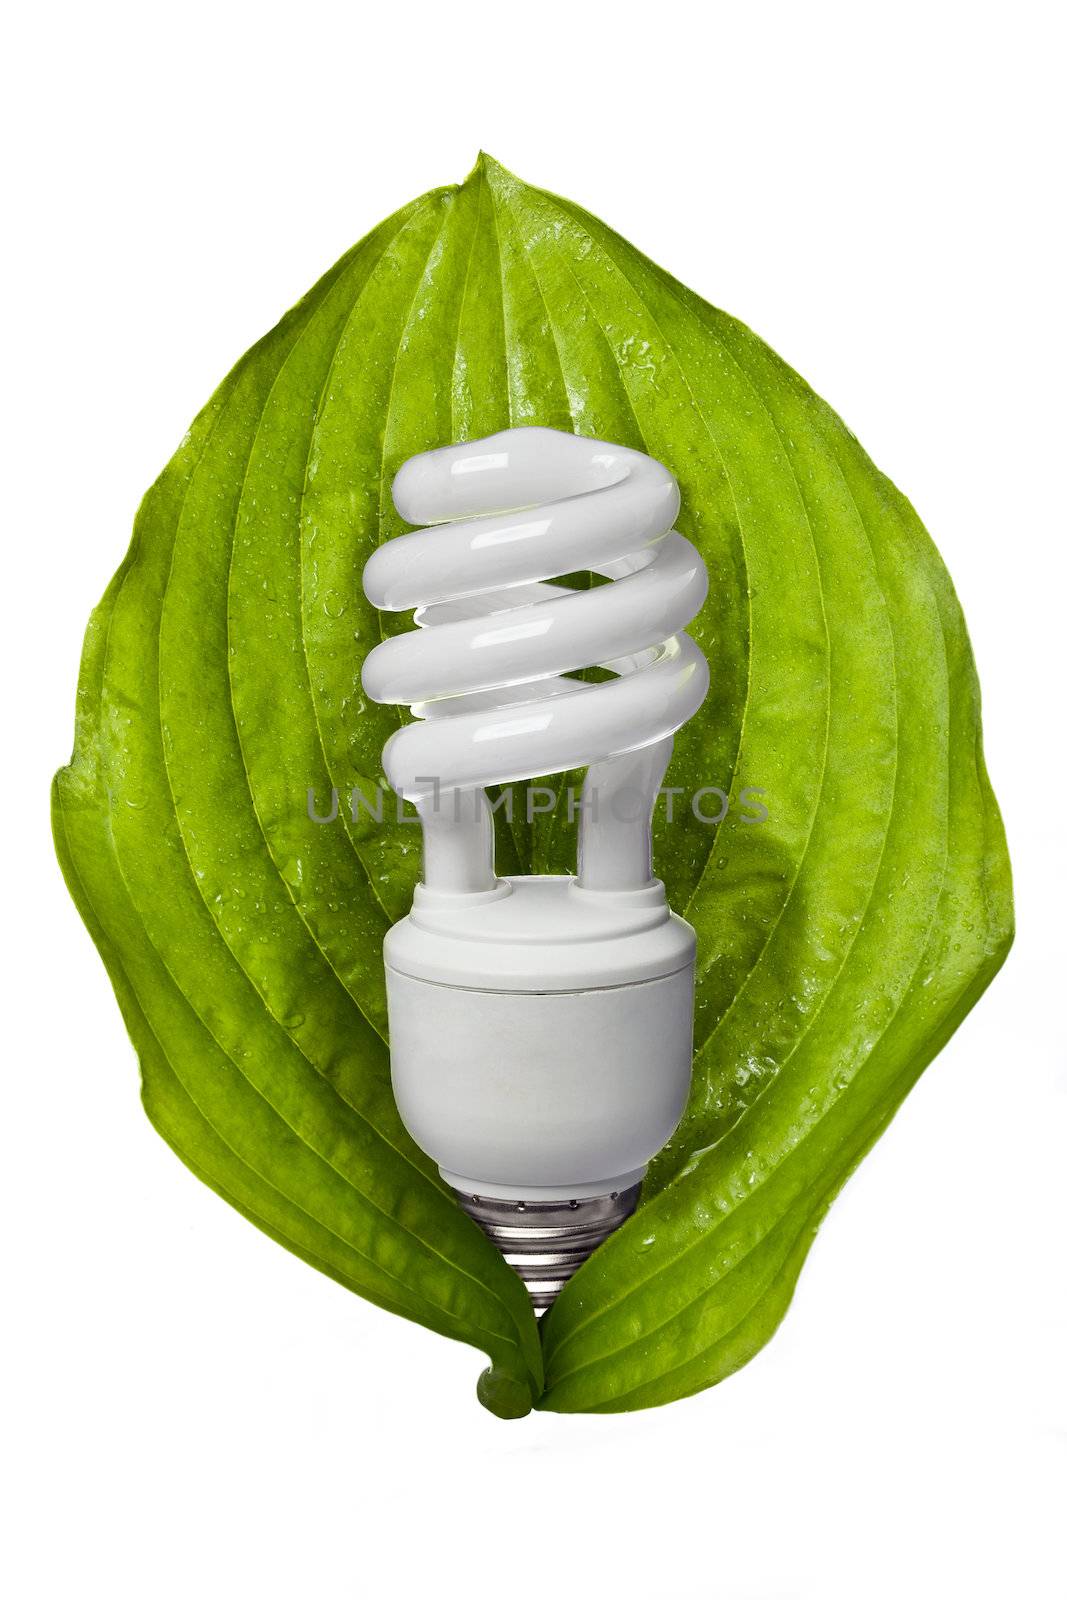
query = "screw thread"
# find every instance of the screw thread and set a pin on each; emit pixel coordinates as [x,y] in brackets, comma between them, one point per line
[545,1242]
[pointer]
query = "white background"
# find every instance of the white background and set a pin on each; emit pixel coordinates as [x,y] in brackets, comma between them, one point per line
[192,1412]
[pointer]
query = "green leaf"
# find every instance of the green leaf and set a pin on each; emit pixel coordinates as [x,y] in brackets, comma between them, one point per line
[842,939]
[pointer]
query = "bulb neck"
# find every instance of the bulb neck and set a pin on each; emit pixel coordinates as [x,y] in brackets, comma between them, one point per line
[539,934]
[541,1042]
[546,1241]
[541,1035]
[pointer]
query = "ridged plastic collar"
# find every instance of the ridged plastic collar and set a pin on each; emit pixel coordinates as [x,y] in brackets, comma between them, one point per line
[540,935]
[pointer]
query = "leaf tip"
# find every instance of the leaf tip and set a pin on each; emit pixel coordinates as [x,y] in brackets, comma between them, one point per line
[497,176]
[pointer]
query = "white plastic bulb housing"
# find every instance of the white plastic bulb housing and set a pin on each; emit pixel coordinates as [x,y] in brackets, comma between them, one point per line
[540,1027]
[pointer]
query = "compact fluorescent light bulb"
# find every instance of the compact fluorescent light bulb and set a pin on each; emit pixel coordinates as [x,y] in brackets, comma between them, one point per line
[540,1027]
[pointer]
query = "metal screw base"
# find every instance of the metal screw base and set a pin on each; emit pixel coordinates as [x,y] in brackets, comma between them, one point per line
[546,1242]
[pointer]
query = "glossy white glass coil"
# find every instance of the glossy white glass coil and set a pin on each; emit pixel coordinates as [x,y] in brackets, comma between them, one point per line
[485,671]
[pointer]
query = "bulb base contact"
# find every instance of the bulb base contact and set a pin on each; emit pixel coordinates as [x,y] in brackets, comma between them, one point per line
[546,1242]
